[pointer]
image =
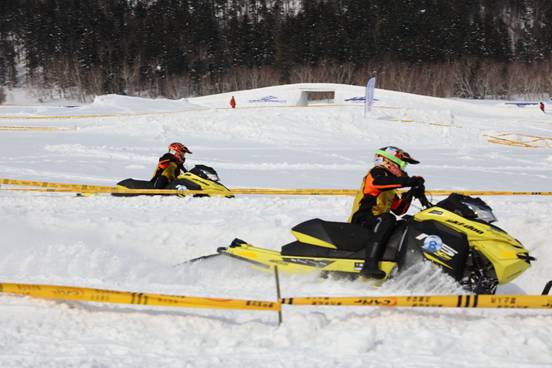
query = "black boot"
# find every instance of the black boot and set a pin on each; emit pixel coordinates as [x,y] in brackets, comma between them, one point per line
[370,269]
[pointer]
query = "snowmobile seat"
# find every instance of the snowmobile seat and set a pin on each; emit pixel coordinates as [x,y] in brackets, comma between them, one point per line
[299,249]
[136,184]
[333,235]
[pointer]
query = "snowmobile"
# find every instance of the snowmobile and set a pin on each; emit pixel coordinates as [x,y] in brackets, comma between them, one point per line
[200,177]
[456,234]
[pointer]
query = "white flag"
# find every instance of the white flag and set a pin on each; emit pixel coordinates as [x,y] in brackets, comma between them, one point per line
[369,98]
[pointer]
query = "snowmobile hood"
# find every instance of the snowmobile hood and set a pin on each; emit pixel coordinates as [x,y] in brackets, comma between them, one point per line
[507,255]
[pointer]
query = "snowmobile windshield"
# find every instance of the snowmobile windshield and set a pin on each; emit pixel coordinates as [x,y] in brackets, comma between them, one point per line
[482,211]
[205,172]
[212,176]
[468,207]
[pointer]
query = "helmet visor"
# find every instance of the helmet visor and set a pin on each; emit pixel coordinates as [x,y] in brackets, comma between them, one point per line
[392,158]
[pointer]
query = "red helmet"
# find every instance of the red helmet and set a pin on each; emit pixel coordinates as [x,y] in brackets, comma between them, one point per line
[178,150]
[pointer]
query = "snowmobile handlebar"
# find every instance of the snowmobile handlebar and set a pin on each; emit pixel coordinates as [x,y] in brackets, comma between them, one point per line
[418,192]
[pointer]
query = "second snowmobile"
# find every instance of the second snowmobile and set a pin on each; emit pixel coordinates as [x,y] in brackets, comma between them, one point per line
[200,177]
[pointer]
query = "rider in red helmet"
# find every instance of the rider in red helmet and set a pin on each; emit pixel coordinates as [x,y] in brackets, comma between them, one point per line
[378,198]
[170,165]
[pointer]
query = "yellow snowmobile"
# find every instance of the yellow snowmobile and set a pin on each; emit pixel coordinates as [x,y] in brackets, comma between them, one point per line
[456,234]
[200,177]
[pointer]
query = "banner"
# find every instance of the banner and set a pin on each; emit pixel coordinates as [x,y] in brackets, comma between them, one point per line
[369,98]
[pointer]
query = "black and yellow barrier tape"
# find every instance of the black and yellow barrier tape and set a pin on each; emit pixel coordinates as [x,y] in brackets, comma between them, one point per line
[152,299]
[433,301]
[96,189]
[124,297]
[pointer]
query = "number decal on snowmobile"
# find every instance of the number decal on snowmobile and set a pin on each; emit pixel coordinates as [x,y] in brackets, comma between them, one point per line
[434,245]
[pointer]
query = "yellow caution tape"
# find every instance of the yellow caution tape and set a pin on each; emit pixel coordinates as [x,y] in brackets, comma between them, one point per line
[13,128]
[59,117]
[423,301]
[526,141]
[424,123]
[46,184]
[433,301]
[123,297]
[85,188]
[79,188]
[115,190]
[244,191]
[486,192]
[338,192]
[70,117]
[114,115]
[353,192]
[252,106]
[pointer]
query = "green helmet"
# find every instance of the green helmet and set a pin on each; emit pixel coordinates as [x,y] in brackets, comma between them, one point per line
[395,155]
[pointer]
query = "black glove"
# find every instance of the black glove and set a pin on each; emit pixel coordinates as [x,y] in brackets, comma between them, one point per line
[416,191]
[415,181]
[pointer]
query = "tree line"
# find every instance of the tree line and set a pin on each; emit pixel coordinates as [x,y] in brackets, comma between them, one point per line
[180,48]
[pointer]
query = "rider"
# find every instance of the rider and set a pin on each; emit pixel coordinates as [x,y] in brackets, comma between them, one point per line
[170,165]
[378,198]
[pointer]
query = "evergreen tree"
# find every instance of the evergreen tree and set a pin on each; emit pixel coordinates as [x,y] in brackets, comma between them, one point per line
[207,57]
[546,30]
[528,48]
[8,24]
[285,46]
[359,41]
[78,42]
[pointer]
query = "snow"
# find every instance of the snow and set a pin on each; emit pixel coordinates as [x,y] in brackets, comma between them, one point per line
[140,243]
